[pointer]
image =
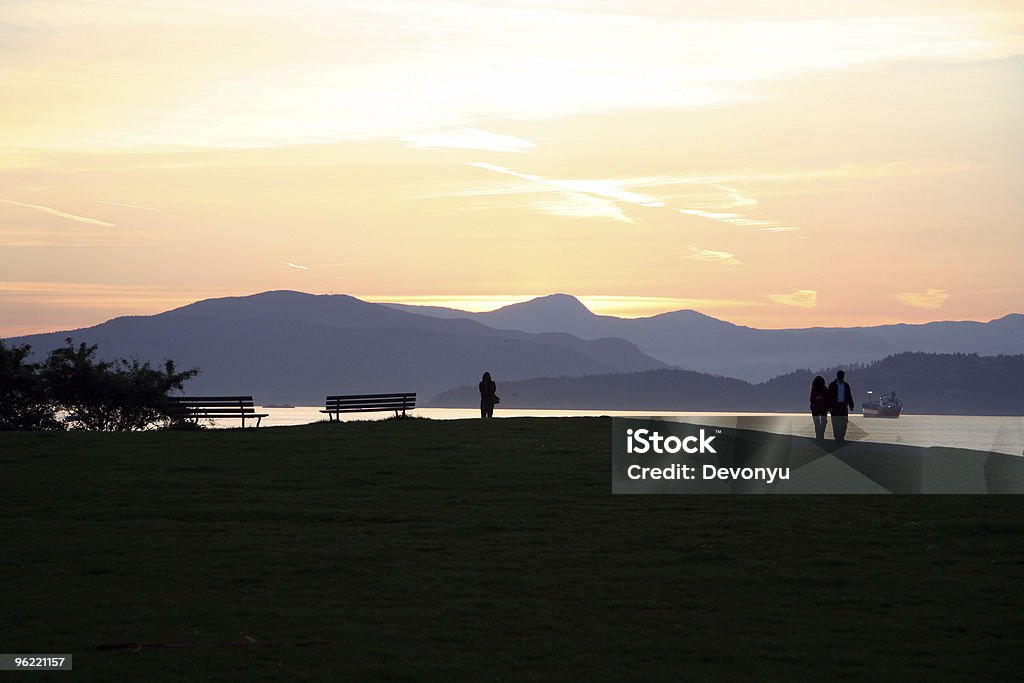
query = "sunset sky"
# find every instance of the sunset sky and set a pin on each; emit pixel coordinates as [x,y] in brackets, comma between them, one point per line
[776,164]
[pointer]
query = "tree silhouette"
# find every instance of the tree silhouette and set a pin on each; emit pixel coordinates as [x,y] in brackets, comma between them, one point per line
[24,397]
[120,395]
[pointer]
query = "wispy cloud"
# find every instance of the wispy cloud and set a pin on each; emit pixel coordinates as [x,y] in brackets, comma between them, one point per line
[313,266]
[714,197]
[576,197]
[60,214]
[801,298]
[580,205]
[467,138]
[130,206]
[604,197]
[698,254]
[608,188]
[733,218]
[723,199]
[931,298]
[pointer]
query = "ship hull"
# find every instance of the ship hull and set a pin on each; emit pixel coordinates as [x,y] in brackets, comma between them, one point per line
[891,413]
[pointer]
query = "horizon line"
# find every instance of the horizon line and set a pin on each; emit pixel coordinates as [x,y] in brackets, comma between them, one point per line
[446,301]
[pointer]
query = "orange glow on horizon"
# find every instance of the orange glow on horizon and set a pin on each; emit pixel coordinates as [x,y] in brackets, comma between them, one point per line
[83,305]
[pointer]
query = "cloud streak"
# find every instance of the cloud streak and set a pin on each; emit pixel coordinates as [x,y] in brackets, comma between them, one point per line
[575,197]
[129,206]
[602,197]
[931,298]
[698,254]
[732,218]
[610,189]
[800,298]
[60,214]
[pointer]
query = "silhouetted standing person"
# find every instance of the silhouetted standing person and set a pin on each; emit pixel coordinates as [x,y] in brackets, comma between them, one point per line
[819,406]
[488,397]
[840,397]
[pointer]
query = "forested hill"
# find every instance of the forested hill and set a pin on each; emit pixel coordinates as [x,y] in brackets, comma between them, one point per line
[935,383]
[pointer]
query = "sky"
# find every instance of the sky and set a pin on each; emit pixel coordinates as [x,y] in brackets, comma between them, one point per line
[783,164]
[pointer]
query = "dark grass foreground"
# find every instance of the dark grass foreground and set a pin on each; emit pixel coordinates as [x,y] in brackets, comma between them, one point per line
[419,549]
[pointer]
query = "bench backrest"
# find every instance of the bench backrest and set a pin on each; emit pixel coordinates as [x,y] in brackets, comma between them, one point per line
[362,403]
[212,406]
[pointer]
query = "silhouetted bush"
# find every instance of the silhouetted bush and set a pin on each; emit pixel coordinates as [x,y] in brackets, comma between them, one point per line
[25,403]
[73,390]
[118,396]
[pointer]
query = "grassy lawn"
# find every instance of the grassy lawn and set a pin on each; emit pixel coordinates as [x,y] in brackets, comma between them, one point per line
[432,550]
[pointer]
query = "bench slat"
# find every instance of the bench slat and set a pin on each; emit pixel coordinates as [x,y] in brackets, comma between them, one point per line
[213,403]
[367,408]
[336,404]
[359,410]
[210,398]
[214,407]
[393,397]
[218,411]
[375,401]
[339,403]
[372,395]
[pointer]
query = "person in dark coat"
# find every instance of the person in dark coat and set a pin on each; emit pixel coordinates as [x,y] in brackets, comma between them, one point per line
[819,406]
[487,395]
[840,398]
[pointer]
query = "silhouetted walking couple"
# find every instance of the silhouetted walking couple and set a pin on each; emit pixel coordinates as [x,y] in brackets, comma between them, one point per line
[488,397]
[836,398]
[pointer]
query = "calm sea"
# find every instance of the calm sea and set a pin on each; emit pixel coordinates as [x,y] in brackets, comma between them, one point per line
[995,434]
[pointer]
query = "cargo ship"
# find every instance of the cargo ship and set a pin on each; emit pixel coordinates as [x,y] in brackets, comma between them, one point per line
[884,406]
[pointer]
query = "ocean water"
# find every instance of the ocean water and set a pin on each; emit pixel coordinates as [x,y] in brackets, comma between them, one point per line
[981,433]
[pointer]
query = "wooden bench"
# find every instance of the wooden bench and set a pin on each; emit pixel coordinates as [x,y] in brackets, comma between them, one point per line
[195,408]
[334,406]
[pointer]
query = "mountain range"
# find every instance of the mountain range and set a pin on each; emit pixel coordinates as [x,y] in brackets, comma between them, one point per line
[285,346]
[935,384]
[693,341]
[292,347]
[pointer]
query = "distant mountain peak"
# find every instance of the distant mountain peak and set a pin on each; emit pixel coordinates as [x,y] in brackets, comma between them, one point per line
[561,304]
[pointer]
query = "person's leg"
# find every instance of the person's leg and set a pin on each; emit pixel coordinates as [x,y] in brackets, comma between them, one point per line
[483,410]
[839,424]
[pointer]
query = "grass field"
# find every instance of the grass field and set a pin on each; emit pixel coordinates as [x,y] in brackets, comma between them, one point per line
[479,550]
